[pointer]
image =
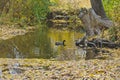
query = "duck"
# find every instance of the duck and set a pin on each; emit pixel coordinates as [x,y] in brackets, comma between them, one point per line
[62,43]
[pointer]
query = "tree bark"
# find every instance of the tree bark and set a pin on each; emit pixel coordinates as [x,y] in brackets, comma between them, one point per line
[98,8]
[95,19]
[94,24]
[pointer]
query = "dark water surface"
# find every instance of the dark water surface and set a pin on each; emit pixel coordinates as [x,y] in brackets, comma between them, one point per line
[41,44]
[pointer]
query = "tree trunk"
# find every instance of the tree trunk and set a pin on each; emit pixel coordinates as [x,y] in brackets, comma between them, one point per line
[95,19]
[94,24]
[98,8]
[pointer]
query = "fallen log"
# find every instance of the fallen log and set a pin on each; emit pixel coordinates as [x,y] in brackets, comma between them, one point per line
[97,43]
[104,43]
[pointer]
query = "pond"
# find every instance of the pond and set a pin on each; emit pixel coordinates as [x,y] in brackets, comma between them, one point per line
[41,44]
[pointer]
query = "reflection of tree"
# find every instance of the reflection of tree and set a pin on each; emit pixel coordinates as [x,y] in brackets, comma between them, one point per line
[4,47]
[35,42]
[31,45]
[24,44]
[17,53]
[44,43]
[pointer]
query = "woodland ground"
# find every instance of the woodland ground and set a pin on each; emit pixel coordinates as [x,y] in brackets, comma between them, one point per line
[9,31]
[41,69]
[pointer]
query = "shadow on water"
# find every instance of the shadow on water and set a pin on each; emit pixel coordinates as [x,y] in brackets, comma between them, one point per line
[41,44]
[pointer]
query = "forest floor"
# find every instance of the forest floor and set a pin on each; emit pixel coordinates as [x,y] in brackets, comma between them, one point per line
[41,69]
[9,31]
[47,69]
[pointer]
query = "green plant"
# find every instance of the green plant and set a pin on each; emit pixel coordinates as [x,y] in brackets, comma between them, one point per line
[112,8]
[113,33]
[40,8]
[26,11]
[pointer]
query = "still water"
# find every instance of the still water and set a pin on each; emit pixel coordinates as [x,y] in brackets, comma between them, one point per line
[41,44]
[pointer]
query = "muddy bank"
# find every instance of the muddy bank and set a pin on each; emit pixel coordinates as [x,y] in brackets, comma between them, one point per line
[9,31]
[41,69]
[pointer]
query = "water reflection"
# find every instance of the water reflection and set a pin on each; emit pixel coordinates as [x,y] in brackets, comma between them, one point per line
[41,44]
[0,72]
[16,53]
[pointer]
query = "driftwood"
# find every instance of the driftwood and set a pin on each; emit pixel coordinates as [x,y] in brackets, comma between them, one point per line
[96,43]
[84,43]
[94,24]
[104,43]
[81,42]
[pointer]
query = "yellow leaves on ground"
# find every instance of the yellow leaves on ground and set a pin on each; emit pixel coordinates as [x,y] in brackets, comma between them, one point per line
[69,5]
[51,69]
